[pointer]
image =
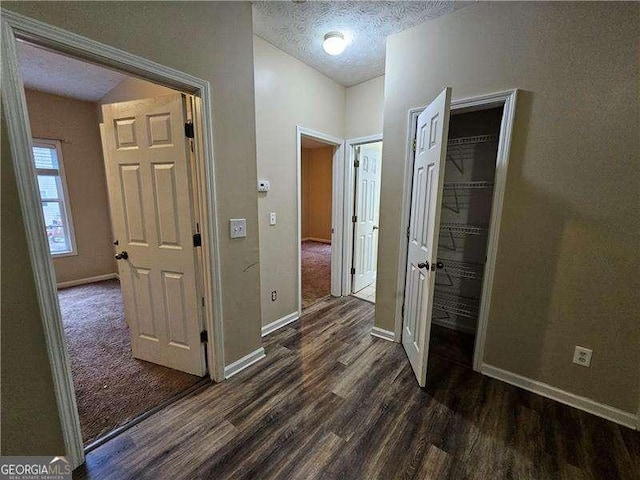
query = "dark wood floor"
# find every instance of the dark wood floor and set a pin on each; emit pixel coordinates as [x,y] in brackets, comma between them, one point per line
[331,401]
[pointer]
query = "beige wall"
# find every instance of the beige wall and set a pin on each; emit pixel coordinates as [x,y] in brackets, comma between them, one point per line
[134,89]
[29,413]
[155,31]
[288,93]
[317,177]
[568,258]
[75,124]
[364,108]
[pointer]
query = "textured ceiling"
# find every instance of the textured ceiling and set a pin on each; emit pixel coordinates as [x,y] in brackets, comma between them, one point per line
[54,73]
[298,28]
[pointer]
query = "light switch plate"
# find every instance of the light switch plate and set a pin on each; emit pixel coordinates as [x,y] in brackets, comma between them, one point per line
[272,218]
[263,185]
[238,227]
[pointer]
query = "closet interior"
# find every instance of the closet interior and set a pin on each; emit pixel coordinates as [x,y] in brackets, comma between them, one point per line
[464,226]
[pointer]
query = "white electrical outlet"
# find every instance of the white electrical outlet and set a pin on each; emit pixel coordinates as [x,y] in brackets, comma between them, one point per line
[272,218]
[582,356]
[263,185]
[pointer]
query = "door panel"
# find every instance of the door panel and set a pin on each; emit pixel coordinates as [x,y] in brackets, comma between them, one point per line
[147,164]
[367,207]
[428,177]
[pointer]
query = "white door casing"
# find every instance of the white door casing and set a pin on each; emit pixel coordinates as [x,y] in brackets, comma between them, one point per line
[149,185]
[426,198]
[366,211]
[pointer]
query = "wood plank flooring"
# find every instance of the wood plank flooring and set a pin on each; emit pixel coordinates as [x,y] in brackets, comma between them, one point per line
[330,401]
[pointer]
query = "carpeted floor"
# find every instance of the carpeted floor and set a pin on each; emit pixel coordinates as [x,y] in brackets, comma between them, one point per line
[316,272]
[111,386]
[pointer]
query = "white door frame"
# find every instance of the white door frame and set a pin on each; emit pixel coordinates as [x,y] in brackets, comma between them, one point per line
[349,192]
[337,195]
[16,26]
[507,100]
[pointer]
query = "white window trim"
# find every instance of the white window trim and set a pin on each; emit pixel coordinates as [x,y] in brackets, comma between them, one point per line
[46,143]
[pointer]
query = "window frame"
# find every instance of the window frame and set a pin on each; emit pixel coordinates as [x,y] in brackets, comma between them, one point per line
[64,201]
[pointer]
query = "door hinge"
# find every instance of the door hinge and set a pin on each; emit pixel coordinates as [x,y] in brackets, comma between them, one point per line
[353,271]
[356,163]
[188,130]
[204,336]
[408,231]
[414,144]
[402,310]
[197,240]
[354,219]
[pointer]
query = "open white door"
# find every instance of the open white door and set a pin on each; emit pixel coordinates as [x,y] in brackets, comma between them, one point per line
[426,198]
[148,177]
[367,205]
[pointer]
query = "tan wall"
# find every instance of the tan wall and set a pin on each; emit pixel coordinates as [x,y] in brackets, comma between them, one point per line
[30,423]
[75,124]
[317,177]
[288,93]
[157,32]
[134,89]
[364,108]
[568,258]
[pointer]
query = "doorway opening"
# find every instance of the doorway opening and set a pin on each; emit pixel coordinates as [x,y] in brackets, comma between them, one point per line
[320,164]
[17,29]
[316,220]
[456,177]
[364,201]
[89,225]
[469,179]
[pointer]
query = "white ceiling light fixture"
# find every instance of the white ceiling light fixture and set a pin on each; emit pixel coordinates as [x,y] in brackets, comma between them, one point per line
[334,43]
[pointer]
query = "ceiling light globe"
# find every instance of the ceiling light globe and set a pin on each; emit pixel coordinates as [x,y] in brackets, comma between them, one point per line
[334,43]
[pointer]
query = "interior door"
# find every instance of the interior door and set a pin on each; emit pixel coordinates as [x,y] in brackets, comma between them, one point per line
[426,198]
[367,206]
[148,177]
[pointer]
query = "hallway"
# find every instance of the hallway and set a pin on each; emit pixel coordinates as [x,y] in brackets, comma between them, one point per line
[331,401]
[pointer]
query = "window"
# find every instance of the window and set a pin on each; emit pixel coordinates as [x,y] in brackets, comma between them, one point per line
[47,155]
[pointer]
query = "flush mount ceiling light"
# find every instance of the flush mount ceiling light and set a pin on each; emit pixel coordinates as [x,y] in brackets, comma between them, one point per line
[334,43]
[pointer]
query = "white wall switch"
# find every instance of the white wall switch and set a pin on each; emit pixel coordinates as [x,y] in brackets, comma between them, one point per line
[582,356]
[263,185]
[238,227]
[272,218]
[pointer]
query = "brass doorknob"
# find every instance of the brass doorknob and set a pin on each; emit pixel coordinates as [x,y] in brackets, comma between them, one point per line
[122,255]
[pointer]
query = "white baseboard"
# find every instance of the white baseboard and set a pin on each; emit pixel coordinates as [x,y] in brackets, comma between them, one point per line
[281,322]
[84,281]
[384,334]
[244,362]
[582,403]
[453,324]
[313,239]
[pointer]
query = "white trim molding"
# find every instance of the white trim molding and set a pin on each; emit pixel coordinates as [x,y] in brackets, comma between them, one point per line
[85,281]
[336,202]
[16,26]
[278,324]
[245,362]
[507,100]
[384,334]
[581,403]
[348,204]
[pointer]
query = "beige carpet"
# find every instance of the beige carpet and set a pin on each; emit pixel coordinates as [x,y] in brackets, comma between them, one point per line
[316,272]
[111,386]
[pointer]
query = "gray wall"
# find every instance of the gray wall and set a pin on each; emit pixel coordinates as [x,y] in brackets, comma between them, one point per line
[568,258]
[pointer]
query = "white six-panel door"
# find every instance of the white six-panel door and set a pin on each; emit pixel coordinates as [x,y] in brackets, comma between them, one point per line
[367,209]
[148,177]
[426,198]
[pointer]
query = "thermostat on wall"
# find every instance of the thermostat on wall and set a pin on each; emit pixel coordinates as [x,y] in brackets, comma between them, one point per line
[263,185]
